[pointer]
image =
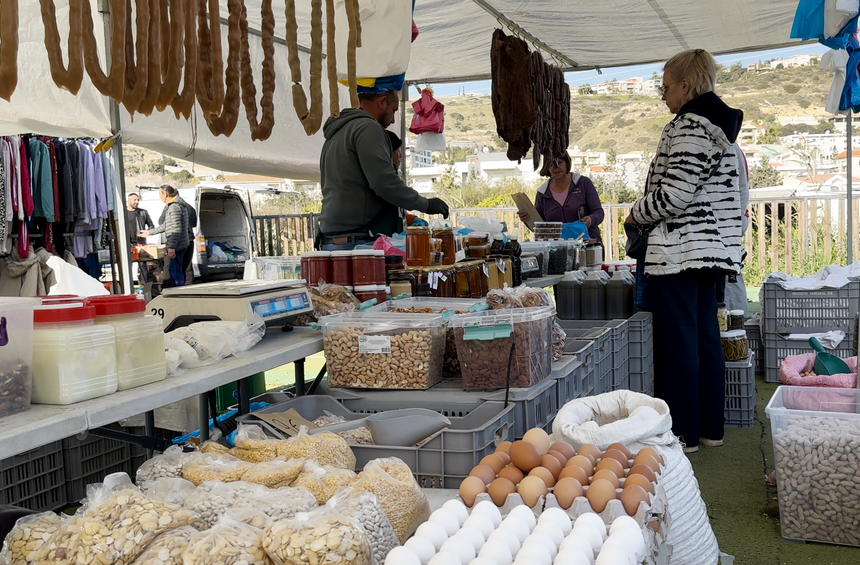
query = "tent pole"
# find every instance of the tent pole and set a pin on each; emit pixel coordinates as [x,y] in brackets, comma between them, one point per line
[118,186]
[404,98]
[850,195]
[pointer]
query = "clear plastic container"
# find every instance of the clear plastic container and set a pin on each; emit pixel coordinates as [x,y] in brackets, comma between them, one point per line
[560,257]
[139,340]
[541,250]
[16,353]
[484,346]
[382,350]
[74,358]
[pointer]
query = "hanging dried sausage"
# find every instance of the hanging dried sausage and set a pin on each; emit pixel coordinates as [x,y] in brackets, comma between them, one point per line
[210,70]
[353,40]
[66,78]
[331,60]
[184,102]
[157,9]
[263,129]
[8,48]
[137,57]
[311,119]
[111,84]
[174,53]
[223,120]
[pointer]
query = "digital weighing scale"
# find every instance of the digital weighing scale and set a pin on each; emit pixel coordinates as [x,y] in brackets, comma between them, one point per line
[277,302]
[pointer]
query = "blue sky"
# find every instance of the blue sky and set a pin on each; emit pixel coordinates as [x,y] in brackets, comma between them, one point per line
[620,73]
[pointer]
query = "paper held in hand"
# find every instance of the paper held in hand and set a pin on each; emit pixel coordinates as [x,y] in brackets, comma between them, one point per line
[524,204]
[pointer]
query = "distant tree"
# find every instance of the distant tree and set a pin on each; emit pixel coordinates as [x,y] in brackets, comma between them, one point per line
[585,90]
[780,66]
[772,130]
[823,126]
[764,175]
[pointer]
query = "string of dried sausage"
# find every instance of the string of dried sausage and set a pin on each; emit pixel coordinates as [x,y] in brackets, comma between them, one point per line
[183,103]
[331,60]
[311,119]
[210,70]
[137,57]
[223,120]
[263,129]
[8,48]
[111,84]
[66,78]
[353,41]
[153,85]
[174,53]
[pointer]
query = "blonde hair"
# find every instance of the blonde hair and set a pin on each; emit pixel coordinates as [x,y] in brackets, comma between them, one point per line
[698,67]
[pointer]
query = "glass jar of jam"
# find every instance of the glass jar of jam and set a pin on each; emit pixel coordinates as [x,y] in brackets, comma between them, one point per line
[316,267]
[462,281]
[364,267]
[448,246]
[479,251]
[475,276]
[379,266]
[392,263]
[477,238]
[418,246]
[341,268]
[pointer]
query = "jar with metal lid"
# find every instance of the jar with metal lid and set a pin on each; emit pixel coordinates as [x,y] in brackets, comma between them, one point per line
[370,291]
[393,262]
[735,345]
[462,281]
[401,282]
[447,244]
[440,281]
[140,355]
[379,266]
[477,238]
[74,359]
[341,268]
[736,320]
[316,267]
[418,246]
[479,251]
[364,267]
[723,317]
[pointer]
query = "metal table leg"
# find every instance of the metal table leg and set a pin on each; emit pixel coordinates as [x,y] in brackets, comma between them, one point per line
[300,377]
[149,429]
[243,389]
[203,401]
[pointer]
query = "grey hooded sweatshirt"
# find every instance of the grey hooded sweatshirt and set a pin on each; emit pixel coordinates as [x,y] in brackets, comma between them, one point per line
[361,191]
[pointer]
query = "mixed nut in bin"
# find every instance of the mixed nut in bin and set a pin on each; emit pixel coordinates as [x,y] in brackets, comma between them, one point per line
[15,387]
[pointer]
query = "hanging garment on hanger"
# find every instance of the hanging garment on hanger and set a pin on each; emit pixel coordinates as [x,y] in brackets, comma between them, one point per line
[107,170]
[88,185]
[74,160]
[26,187]
[2,204]
[64,182]
[851,93]
[835,62]
[42,181]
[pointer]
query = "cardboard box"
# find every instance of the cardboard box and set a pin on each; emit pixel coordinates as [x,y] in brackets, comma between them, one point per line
[154,251]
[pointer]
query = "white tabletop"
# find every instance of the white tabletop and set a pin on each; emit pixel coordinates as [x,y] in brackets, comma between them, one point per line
[43,424]
[543,282]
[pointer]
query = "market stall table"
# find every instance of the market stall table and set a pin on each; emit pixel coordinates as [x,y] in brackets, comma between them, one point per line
[43,424]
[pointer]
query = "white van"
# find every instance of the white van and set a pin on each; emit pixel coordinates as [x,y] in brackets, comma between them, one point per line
[223,217]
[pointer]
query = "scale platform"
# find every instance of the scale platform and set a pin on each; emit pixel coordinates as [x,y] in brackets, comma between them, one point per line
[277,302]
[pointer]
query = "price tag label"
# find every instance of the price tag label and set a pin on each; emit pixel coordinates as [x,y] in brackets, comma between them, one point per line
[374,344]
[443,278]
[501,264]
[433,279]
[486,270]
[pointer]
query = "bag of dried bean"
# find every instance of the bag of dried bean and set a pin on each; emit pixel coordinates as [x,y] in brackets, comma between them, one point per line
[364,507]
[212,498]
[168,548]
[230,542]
[27,537]
[325,448]
[167,465]
[280,472]
[320,536]
[281,503]
[215,467]
[253,445]
[323,482]
[169,490]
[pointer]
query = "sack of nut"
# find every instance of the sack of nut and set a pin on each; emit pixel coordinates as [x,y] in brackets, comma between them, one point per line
[319,536]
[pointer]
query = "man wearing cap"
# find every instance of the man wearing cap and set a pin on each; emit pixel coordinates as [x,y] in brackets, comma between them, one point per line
[362,193]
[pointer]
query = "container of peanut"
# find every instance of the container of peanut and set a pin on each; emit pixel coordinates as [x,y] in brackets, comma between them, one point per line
[816,441]
[492,344]
[383,351]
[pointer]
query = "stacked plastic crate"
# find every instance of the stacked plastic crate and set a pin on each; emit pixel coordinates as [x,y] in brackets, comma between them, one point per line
[789,312]
[641,352]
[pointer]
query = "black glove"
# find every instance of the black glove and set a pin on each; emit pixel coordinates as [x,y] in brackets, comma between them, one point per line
[437,206]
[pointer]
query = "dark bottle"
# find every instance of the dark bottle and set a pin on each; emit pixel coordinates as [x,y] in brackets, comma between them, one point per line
[513,247]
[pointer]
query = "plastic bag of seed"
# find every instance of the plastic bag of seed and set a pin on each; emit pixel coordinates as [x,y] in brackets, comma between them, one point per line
[391,480]
[320,536]
[215,467]
[365,508]
[167,465]
[503,299]
[323,482]
[28,536]
[325,448]
[281,503]
[280,472]
[231,541]
[169,490]
[212,498]
[252,444]
[168,548]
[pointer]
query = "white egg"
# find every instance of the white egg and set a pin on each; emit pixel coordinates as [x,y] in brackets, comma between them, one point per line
[533,555]
[577,542]
[472,534]
[447,519]
[445,558]
[461,547]
[490,509]
[616,555]
[518,526]
[571,557]
[458,509]
[623,522]
[558,517]
[590,534]
[481,521]
[527,515]
[551,530]
[433,531]
[543,541]
[482,561]
[498,553]
[629,538]
[593,520]
[422,547]
[402,556]
[506,536]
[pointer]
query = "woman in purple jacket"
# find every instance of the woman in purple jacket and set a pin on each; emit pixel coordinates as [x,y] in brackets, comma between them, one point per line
[567,197]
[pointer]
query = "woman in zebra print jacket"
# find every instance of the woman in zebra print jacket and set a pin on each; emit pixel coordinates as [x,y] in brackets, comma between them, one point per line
[692,200]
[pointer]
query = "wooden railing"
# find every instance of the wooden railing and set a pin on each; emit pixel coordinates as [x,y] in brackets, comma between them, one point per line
[286,234]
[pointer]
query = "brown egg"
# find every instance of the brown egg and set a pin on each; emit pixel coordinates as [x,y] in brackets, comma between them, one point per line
[618,456]
[483,472]
[599,494]
[643,470]
[500,489]
[612,465]
[590,450]
[551,463]
[590,457]
[646,459]
[545,475]
[566,490]
[505,457]
[564,448]
[494,462]
[531,489]
[639,480]
[631,497]
[622,448]
[559,456]
[503,447]
[574,472]
[582,461]
[607,475]
[512,474]
[470,488]
[524,455]
[652,452]
[539,438]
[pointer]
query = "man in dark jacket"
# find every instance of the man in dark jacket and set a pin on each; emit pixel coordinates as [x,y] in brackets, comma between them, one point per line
[175,227]
[138,219]
[362,194]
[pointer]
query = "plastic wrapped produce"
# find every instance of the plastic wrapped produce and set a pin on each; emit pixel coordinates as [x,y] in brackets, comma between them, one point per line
[215,467]
[532,297]
[320,537]
[27,537]
[365,508]
[213,447]
[280,472]
[326,449]
[212,498]
[503,299]
[280,504]
[229,542]
[323,482]
[167,465]
[168,548]
[169,490]
[253,446]
[392,482]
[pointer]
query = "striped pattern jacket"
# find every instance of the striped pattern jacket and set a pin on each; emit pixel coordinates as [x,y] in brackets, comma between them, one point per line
[692,194]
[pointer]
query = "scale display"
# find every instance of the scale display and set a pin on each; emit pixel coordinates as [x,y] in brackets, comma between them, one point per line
[279,305]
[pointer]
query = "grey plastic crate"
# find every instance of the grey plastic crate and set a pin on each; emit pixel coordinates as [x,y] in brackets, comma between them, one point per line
[34,479]
[535,406]
[756,345]
[640,334]
[90,460]
[642,373]
[810,311]
[618,348]
[602,348]
[777,348]
[620,351]
[443,460]
[740,393]
[584,350]
[568,380]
